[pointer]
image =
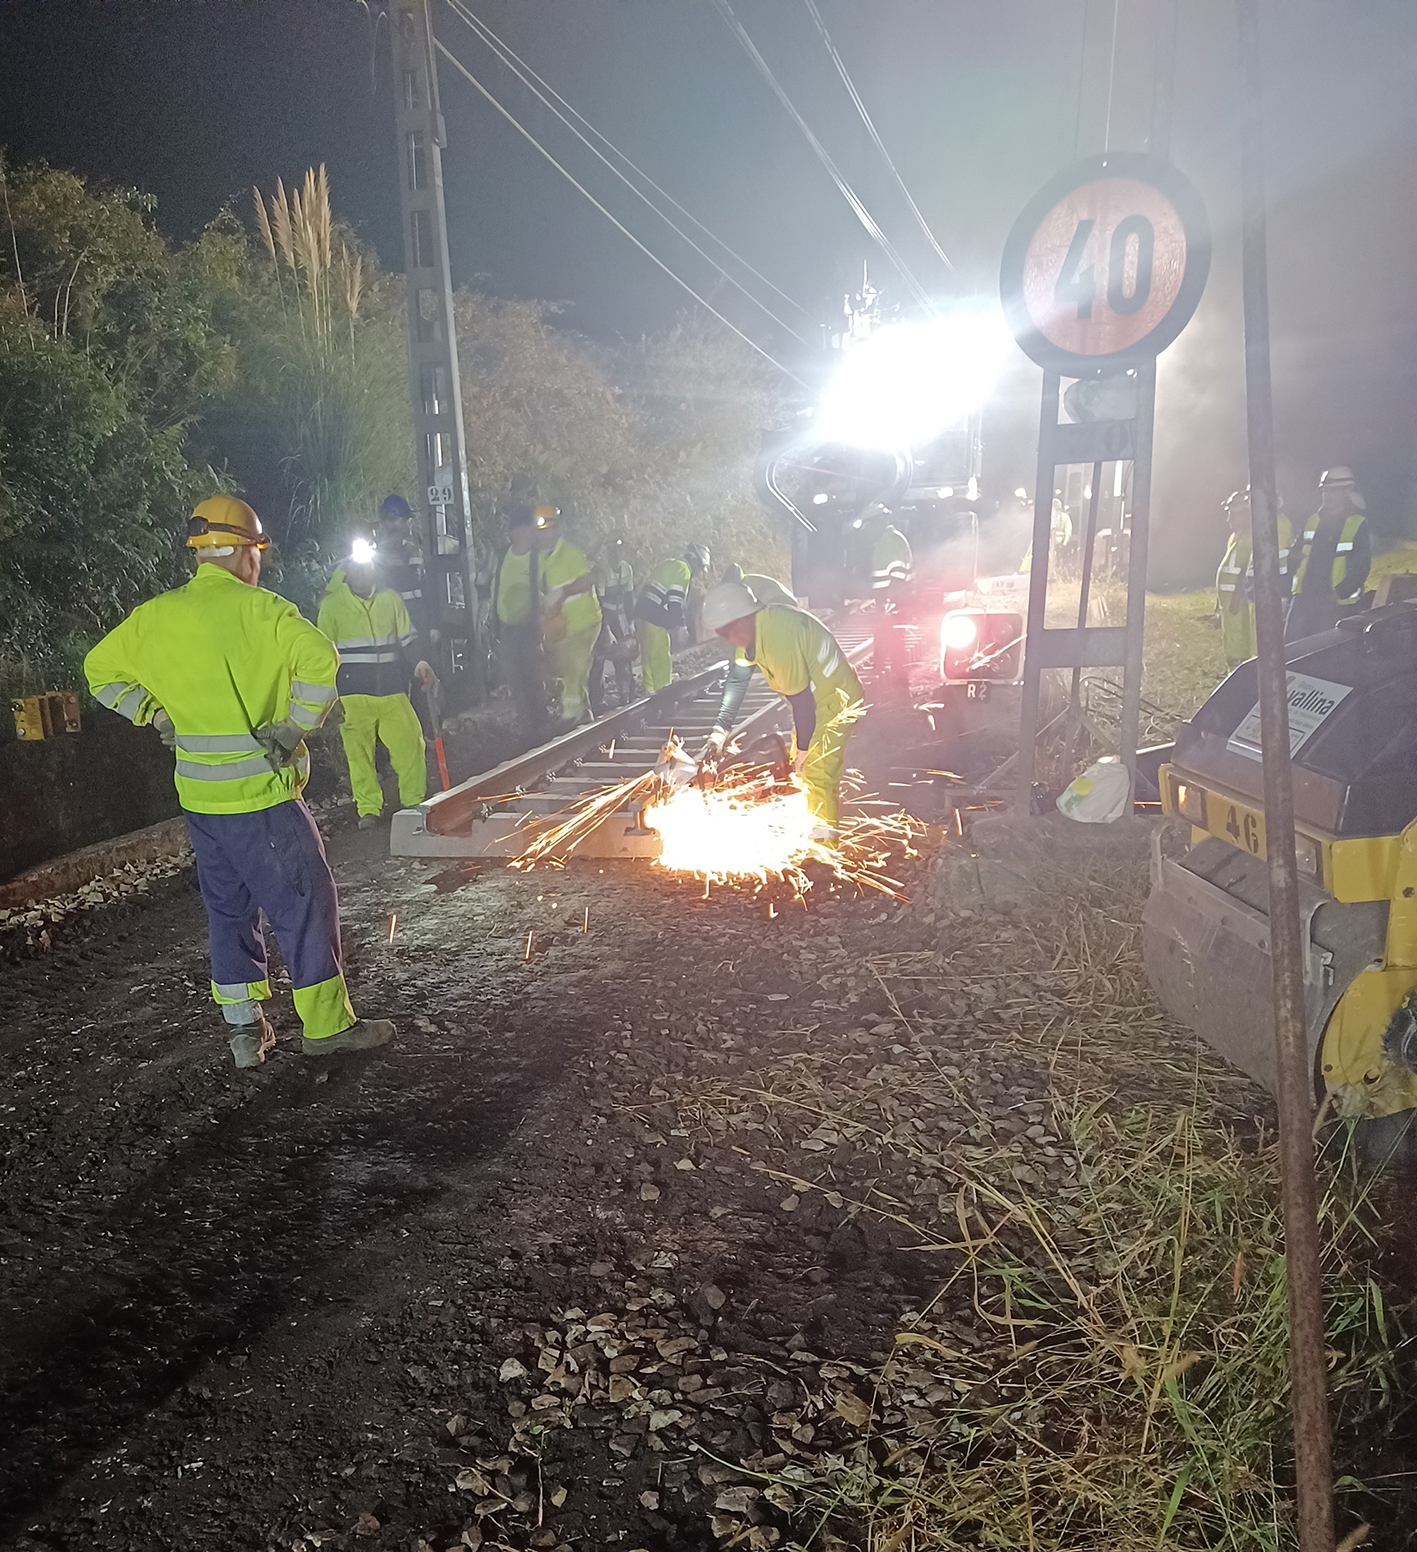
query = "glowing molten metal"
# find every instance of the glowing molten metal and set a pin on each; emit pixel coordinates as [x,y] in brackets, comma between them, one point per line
[733,832]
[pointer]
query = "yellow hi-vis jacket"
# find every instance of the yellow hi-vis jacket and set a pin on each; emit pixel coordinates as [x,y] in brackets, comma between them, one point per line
[891,560]
[797,652]
[1234,590]
[221,658]
[1343,565]
[374,636]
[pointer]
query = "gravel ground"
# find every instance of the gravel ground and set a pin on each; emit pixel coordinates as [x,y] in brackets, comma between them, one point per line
[620,1235]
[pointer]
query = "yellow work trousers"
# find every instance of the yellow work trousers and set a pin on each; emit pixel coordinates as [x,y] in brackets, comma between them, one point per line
[389,720]
[656,659]
[826,765]
[568,661]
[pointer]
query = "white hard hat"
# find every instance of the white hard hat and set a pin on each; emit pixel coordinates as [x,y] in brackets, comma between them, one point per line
[727,602]
[1340,474]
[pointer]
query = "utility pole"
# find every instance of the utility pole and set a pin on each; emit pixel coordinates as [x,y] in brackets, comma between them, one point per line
[435,389]
[1308,1363]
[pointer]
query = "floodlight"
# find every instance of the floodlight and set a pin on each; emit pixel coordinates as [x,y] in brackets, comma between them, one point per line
[906,383]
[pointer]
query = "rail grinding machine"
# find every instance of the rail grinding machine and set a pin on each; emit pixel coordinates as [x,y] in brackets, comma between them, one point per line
[1353,736]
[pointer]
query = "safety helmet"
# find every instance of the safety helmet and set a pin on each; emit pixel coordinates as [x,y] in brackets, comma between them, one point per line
[1339,475]
[395,507]
[544,516]
[727,602]
[221,524]
[734,573]
[697,556]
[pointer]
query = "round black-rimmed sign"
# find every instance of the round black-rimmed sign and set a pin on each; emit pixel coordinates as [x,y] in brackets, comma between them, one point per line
[1106,264]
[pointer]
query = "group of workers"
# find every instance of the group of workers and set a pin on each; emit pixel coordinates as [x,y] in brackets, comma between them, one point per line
[557,617]
[234,679]
[1328,572]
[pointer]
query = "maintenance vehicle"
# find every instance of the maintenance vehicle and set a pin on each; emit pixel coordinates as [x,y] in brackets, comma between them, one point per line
[1206,928]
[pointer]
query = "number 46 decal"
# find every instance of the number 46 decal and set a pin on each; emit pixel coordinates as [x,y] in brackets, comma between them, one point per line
[1077,284]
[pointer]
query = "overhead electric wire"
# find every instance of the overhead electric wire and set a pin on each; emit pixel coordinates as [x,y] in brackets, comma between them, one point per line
[524,74]
[876,140]
[848,193]
[519,65]
[526,134]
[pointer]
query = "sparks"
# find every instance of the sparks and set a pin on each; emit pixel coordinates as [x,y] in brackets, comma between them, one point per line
[526,953]
[585,921]
[393,922]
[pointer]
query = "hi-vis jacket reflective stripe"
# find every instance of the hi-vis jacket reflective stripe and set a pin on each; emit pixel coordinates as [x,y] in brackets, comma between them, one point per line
[665,594]
[797,652]
[374,635]
[1343,552]
[1234,591]
[221,659]
[1234,580]
[891,560]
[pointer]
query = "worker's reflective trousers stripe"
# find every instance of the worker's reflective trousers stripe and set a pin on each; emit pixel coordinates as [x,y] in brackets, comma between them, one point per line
[272,861]
[656,657]
[390,720]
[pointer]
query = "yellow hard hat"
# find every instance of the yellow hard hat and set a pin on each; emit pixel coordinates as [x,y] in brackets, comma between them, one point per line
[223,523]
[543,517]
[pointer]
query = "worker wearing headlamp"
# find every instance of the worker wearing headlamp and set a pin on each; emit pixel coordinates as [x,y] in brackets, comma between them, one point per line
[804,663]
[378,661]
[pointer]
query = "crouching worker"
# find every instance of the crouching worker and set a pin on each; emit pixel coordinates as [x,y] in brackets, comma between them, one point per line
[377,663]
[233,678]
[803,662]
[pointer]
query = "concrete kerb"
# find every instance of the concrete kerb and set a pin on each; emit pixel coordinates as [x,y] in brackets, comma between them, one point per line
[66,874]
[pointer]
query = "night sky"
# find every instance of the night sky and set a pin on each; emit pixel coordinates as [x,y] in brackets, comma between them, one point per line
[979,102]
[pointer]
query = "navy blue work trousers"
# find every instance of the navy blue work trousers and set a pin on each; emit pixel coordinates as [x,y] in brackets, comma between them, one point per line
[274,861]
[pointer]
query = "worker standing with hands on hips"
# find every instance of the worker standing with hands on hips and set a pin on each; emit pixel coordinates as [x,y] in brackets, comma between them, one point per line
[1235,581]
[570,613]
[803,662]
[376,641]
[661,609]
[1335,557]
[233,678]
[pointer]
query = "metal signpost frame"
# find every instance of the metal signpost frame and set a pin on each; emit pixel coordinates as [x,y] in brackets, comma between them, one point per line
[435,389]
[1101,272]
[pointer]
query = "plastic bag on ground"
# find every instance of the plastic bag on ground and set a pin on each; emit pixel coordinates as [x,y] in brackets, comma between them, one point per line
[1101,794]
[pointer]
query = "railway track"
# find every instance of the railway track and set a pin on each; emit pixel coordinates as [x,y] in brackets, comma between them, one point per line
[488,814]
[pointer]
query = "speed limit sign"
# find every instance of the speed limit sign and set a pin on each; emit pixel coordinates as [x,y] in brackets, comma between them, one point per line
[1106,264]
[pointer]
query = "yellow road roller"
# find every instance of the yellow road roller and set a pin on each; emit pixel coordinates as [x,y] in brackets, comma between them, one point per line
[1353,738]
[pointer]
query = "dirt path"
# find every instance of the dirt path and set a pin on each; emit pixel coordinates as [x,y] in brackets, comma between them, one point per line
[538,1276]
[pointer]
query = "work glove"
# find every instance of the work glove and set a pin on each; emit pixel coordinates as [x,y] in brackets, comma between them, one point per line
[713,744]
[423,672]
[552,599]
[799,759]
[165,730]
[280,741]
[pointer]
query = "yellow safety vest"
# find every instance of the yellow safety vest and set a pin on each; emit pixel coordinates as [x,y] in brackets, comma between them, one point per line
[1344,548]
[1233,591]
[222,659]
[795,652]
[891,560]
[565,564]
[373,636]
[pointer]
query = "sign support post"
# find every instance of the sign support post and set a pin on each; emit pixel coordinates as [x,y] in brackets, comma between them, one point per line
[1308,1364]
[435,388]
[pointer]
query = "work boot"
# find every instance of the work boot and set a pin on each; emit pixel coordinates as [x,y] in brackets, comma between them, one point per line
[368,821]
[250,1043]
[363,1036]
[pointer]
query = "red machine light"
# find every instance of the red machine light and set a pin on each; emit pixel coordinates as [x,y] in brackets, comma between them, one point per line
[959,630]
[978,645]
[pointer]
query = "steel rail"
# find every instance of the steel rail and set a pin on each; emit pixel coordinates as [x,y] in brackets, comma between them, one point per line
[486,815]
